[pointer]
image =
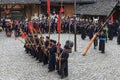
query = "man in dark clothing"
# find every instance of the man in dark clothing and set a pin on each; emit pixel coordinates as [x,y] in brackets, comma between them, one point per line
[96,29]
[60,50]
[83,32]
[26,46]
[118,35]
[36,47]
[110,31]
[52,57]
[90,31]
[63,64]
[116,25]
[40,49]
[102,38]
[45,55]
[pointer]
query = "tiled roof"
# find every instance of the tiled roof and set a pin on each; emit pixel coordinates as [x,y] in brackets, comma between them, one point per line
[101,7]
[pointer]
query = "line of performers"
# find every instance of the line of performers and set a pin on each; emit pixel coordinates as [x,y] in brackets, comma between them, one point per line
[47,52]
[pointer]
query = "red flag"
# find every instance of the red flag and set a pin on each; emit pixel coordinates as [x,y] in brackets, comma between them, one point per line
[48,7]
[112,18]
[30,26]
[24,35]
[59,23]
[62,10]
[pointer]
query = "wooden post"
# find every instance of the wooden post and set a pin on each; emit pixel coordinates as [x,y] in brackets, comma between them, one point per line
[75,34]
[59,38]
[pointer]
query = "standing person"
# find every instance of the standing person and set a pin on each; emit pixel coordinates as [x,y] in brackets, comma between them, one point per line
[110,31]
[95,31]
[45,55]
[16,28]
[57,61]
[26,27]
[106,29]
[37,47]
[64,62]
[90,31]
[116,25]
[52,57]
[83,31]
[40,48]
[118,35]
[102,38]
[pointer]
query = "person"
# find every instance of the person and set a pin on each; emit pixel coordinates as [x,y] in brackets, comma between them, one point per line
[36,46]
[110,31]
[106,29]
[96,27]
[102,38]
[63,58]
[41,52]
[90,31]
[83,32]
[118,35]
[52,57]
[59,51]
[45,55]
[26,46]
[16,28]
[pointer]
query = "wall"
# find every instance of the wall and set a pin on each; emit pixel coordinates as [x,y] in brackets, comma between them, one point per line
[69,9]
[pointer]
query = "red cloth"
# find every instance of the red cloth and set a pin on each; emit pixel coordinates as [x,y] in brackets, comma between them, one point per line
[59,23]
[30,26]
[62,10]
[112,18]
[48,7]
[24,35]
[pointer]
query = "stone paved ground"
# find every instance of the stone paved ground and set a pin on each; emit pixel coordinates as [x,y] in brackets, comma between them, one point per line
[16,65]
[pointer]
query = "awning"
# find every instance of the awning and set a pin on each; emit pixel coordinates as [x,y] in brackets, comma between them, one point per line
[102,8]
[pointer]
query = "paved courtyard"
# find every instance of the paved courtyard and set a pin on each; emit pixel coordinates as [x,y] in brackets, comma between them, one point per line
[16,65]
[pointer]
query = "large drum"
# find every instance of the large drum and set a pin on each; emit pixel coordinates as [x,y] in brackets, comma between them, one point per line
[70,45]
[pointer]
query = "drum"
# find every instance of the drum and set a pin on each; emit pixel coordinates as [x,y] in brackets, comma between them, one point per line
[70,45]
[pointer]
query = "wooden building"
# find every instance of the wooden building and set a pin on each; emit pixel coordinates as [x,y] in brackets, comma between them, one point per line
[21,9]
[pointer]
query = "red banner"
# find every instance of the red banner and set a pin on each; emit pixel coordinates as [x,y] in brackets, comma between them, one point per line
[48,7]
[62,10]
[112,18]
[59,23]
[30,27]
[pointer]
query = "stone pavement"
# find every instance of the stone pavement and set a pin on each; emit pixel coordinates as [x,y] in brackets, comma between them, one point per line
[16,65]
